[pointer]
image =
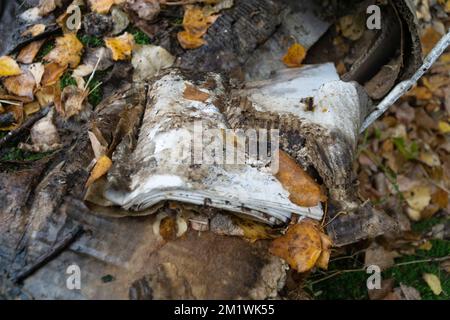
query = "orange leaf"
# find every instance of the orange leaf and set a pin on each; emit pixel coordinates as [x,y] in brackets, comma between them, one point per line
[295,56]
[301,246]
[67,51]
[188,41]
[100,169]
[304,191]
[121,47]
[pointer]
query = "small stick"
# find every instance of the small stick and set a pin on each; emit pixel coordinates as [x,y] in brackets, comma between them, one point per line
[47,257]
[10,136]
[406,85]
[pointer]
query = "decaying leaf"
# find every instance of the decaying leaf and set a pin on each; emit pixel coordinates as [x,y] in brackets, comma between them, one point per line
[34,30]
[29,52]
[52,72]
[149,60]
[304,191]
[121,46]
[294,56]
[433,282]
[67,51]
[9,67]
[376,255]
[254,231]
[444,127]
[72,99]
[15,116]
[37,70]
[429,39]
[101,167]
[44,135]
[193,93]
[146,10]
[352,26]
[196,22]
[21,85]
[168,227]
[47,6]
[302,246]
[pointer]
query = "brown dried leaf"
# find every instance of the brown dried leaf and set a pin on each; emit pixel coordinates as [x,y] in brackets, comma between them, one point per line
[35,30]
[52,73]
[304,191]
[22,85]
[103,6]
[193,93]
[29,52]
[196,22]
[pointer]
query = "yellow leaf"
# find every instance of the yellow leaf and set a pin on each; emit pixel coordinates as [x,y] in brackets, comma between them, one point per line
[67,51]
[295,56]
[9,67]
[103,6]
[304,191]
[418,197]
[444,127]
[433,282]
[100,169]
[301,246]
[121,47]
[254,231]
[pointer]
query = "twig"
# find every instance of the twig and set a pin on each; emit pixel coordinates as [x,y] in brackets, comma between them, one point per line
[10,102]
[47,257]
[406,85]
[10,136]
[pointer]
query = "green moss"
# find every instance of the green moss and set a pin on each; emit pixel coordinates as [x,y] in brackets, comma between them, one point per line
[67,80]
[139,36]
[411,274]
[91,41]
[410,151]
[45,49]
[16,154]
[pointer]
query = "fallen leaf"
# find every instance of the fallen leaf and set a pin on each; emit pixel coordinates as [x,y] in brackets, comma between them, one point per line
[192,93]
[433,282]
[37,70]
[22,85]
[34,30]
[304,191]
[103,6]
[17,117]
[254,231]
[72,99]
[300,247]
[9,67]
[352,26]
[410,293]
[419,197]
[67,51]
[47,6]
[149,60]
[44,135]
[188,41]
[52,73]
[386,287]
[430,158]
[429,39]
[121,46]
[376,255]
[31,108]
[29,52]
[324,257]
[146,10]
[444,127]
[196,22]
[101,167]
[294,56]
[440,198]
